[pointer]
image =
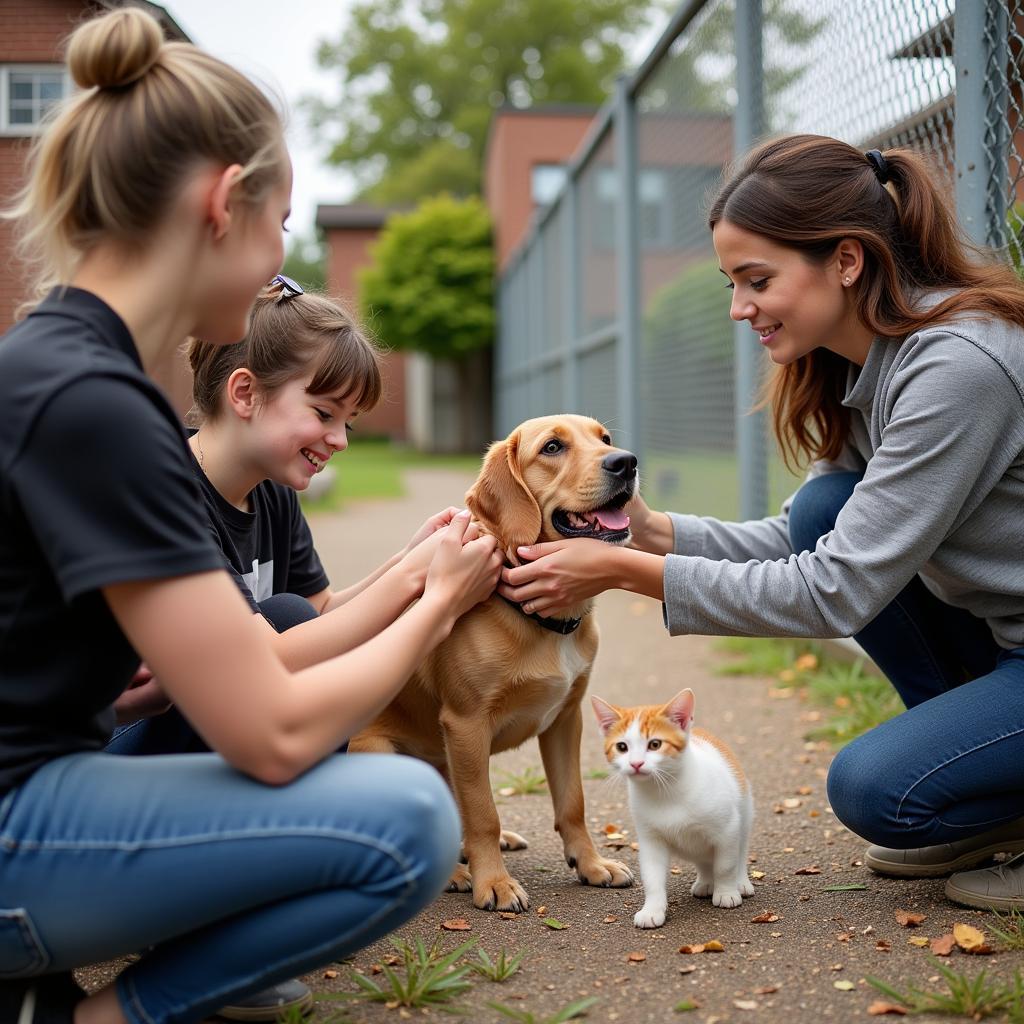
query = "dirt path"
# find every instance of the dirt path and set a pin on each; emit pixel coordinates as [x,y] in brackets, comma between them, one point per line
[806,964]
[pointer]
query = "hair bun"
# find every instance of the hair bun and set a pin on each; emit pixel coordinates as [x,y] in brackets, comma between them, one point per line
[115,49]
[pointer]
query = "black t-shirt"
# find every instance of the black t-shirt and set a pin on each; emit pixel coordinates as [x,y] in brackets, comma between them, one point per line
[96,488]
[268,550]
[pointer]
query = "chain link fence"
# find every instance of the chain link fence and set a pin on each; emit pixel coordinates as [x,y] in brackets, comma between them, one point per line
[614,305]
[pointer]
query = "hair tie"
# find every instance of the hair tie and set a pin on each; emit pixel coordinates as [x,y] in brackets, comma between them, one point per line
[878,165]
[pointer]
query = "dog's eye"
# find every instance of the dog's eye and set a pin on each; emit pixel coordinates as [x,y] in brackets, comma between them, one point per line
[606,438]
[553,447]
[622,747]
[654,744]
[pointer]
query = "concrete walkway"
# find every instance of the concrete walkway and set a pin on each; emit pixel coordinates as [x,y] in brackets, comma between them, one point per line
[792,968]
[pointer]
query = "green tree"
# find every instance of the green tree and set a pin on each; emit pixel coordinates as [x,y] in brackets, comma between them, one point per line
[431,284]
[420,82]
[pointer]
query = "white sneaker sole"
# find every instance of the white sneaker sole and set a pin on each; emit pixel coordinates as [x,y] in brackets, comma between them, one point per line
[966,860]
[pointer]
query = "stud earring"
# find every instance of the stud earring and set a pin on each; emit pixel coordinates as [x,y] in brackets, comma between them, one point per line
[847,281]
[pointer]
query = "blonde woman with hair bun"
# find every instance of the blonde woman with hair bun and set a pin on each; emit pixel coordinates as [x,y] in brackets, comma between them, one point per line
[153,211]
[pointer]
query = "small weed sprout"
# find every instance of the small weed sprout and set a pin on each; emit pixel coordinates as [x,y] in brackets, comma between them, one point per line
[500,969]
[570,1012]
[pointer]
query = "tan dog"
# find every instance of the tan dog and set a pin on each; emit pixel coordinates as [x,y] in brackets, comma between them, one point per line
[502,677]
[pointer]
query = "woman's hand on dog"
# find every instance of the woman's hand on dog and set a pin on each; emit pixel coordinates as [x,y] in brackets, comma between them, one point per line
[438,521]
[465,567]
[557,575]
[417,559]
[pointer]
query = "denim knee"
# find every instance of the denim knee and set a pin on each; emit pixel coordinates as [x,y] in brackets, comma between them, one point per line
[859,799]
[816,506]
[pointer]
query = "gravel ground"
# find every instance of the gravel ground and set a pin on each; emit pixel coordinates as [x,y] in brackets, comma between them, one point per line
[808,963]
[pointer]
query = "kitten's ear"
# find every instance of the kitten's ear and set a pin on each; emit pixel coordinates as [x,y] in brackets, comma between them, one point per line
[607,714]
[680,709]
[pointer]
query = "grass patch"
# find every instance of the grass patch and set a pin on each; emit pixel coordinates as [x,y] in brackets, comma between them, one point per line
[525,783]
[1010,928]
[374,468]
[501,968]
[974,998]
[855,700]
[429,978]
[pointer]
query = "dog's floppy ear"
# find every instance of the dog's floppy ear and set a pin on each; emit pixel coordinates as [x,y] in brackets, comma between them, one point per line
[501,500]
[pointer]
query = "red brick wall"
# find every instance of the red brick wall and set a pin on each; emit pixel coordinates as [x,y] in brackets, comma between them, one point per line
[347,252]
[31,32]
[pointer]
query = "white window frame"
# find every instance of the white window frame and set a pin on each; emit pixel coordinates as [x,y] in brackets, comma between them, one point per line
[6,70]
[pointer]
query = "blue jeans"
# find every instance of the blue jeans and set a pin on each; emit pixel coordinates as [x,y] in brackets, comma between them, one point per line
[952,765]
[170,733]
[230,885]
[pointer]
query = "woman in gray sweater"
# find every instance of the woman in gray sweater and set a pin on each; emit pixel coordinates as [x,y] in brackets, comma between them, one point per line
[900,381]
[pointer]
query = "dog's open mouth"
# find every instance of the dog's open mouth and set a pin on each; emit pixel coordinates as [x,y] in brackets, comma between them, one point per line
[608,523]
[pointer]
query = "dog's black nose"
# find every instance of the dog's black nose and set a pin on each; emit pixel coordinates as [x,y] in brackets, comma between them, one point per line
[620,464]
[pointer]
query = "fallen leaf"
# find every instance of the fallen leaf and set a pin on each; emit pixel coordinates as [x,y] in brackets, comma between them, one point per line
[878,1009]
[541,911]
[836,967]
[767,917]
[844,936]
[697,948]
[610,919]
[804,790]
[611,829]
[757,875]
[968,937]
[686,1004]
[919,940]
[766,990]
[456,924]
[330,973]
[554,924]
[791,802]
[883,945]
[714,946]
[812,870]
[744,1004]
[943,945]
[636,957]
[908,919]
[376,968]
[844,986]
[806,662]
[507,915]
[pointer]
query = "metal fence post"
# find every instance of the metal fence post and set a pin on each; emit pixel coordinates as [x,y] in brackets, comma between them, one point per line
[570,361]
[748,125]
[979,129]
[627,345]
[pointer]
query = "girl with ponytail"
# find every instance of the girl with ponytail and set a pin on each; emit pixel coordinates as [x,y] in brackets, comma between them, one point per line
[153,211]
[899,381]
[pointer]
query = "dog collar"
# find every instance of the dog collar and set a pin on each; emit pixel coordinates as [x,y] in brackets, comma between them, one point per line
[562,626]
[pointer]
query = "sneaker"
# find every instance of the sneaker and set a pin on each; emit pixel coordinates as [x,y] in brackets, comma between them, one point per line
[47,999]
[998,888]
[270,1004]
[935,861]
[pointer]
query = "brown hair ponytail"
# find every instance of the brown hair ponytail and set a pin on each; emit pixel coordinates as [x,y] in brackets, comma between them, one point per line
[809,192]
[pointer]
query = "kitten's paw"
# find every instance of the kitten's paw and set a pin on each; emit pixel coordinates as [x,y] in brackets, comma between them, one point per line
[649,917]
[512,840]
[701,888]
[461,880]
[745,886]
[610,874]
[727,898]
[500,893]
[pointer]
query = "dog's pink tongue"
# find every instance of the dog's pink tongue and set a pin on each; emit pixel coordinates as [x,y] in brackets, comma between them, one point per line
[612,518]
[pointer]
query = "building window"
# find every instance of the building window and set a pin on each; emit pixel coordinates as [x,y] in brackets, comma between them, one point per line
[27,91]
[545,182]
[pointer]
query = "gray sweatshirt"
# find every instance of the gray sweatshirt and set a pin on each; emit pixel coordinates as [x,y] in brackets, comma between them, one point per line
[937,425]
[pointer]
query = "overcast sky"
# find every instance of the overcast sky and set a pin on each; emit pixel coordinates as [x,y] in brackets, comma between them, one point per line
[275,42]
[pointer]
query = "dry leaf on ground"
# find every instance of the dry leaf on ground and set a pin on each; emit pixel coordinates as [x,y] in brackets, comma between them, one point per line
[844,986]
[636,957]
[610,919]
[456,924]
[878,1008]
[554,924]
[766,990]
[919,940]
[812,870]
[766,917]
[970,939]
[744,1004]
[908,919]
[943,945]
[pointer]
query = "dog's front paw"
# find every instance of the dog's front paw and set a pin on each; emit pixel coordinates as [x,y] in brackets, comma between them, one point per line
[461,880]
[611,874]
[501,893]
[649,916]
[727,898]
[512,840]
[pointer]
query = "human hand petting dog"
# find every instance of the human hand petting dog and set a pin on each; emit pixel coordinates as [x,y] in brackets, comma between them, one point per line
[418,557]
[559,574]
[463,572]
[438,521]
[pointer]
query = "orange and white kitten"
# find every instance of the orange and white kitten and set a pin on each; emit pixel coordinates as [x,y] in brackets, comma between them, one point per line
[688,796]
